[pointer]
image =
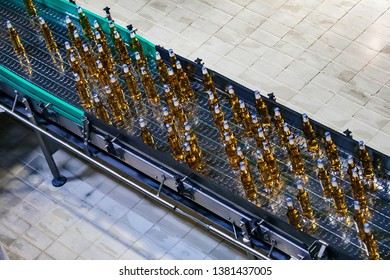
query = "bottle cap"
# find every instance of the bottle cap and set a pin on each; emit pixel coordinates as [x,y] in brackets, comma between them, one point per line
[242,166]
[67,20]
[327,136]
[96,24]
[9,25]
[96,98]
[116,34]
[227,136]
[350,159]
[158,56]
[257,94]
[355,172]
[361,145]
[216,109]
[242,103]
[225,124]
[76,77]
[211,95]
[254,118]
[76,34]
[79,10]
[367,228]
[265,145]
[260,132]
[356,205]
[42,21]
[320,164]
[112,78]
[165,111]
[171,53]
[100,47]
[99,64]
[111,23]
[97,35]
[239,151]
[107,88]
[143,70]
[142,122]
[187,136]
[289,201]
[305,118]
[125,68]
[291,140]
[277,111]
[178,64]
[132,34]
[299,185]
[285,127]
[72,57]
[187,147]
[259,154]
[204,70]
[85,47]
[187,126]
[170,71]
[169,127]
[175,102]
[333,181]
[166,88]
[230,89]
[67,45]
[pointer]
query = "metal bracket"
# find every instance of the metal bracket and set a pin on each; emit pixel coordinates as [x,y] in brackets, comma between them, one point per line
[187,192]
[86,134]
[48,114]
[163,178]
[348,133]
[111,149]
[273,243]
[318,250]
[15,100]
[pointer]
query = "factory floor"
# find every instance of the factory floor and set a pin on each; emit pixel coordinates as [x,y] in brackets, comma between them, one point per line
[327,58]
[91,217]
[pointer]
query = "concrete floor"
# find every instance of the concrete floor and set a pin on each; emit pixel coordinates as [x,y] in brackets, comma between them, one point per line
[328,58]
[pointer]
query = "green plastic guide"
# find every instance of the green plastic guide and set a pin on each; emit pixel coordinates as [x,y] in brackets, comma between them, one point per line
[36,93]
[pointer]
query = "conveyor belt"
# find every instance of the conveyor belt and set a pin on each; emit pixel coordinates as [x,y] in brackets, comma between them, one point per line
[340,233]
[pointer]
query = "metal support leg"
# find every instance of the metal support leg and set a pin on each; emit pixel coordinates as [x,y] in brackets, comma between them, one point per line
[58,180]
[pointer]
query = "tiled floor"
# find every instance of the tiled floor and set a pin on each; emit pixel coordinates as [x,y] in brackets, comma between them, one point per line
[327,58]
[91,217]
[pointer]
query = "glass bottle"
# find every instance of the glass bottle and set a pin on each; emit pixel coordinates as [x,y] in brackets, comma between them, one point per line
[255,125]
[121,49]
[271,161]
[212,101]
[18,48]
[262,110]
[263,168]
[172,60]
[30,8]
[247,182]
[233,101]
[136,44]
[370,242]
[48,36]
[71,28]
[101,111]
[179,114]
[260,138]
[368,171]
[101,40]
[162,68]
[331,151]
[103,75]
[131,83]
[358,190]
[174,143]
[105,59]
[279,121]
[208,82]
[304,201]
[324,179]
[359,218]
[231,151]
[140,62]
[184,83]
[114,106]
[84,22]
[119,94]
[338,197]
[146,135]
[150,88]
[310,135]
[75,64]
[284,137]
[89,61]
[242,157]
[351,166]
[169,95]
[218,117]
[293,214]
[174,84]
[83,92]
[192,159]
[295,155]
[192,139]
[245,118]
